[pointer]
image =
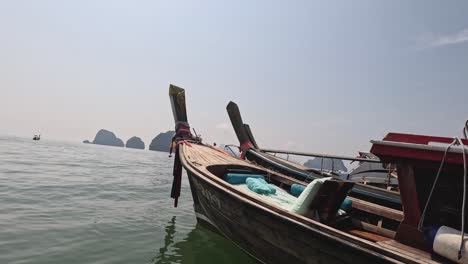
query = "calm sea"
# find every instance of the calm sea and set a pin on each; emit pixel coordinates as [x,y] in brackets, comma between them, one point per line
[80,203]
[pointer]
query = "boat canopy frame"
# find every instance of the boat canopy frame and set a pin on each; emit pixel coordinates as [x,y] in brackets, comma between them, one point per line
[308,154]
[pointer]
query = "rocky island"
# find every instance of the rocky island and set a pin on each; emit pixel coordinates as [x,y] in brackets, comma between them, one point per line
[162,142]
[328,164]
[108,138]
[135,142]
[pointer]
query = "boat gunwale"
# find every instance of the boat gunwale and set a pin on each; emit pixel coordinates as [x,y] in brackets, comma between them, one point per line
[314,226]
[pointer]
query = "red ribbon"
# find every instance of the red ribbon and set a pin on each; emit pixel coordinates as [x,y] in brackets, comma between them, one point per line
[244,147]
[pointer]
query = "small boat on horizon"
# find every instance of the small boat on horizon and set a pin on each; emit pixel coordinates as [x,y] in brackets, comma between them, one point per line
[37,137]
[256,208]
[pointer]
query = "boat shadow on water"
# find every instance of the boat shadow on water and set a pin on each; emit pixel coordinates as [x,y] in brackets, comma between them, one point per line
[201,245]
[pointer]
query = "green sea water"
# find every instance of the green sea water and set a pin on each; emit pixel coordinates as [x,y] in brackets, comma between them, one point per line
[81,203]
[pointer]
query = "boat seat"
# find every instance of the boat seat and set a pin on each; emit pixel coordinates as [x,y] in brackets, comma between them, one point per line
[330,198]
[322,198]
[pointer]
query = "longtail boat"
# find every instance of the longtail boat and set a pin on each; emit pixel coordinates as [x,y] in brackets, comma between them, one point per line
[375,174]
[250,151]
[257,210]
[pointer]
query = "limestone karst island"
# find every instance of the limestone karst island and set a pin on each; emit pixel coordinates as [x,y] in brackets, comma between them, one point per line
[160,142]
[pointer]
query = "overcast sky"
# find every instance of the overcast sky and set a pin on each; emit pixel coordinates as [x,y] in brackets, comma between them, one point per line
[321,76]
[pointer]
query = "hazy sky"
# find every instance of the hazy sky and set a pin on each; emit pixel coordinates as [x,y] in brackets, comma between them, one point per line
[321,76]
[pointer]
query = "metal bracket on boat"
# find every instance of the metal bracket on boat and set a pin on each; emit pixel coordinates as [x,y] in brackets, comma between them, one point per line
[228,147]
[319,155]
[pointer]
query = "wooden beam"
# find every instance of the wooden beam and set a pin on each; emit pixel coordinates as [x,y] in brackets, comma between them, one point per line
[373,228]
[377,209]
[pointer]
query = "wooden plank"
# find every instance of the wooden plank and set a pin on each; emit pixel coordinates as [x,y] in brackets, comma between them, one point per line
[373,228]
[370,236]
[408,232]
[377,209]
[411,252]
[404,247]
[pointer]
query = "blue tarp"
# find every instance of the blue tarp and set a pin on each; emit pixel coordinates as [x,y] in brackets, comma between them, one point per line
[239,178]
[260,186]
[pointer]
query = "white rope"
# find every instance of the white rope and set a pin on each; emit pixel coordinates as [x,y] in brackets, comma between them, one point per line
[464,200]
[423,215]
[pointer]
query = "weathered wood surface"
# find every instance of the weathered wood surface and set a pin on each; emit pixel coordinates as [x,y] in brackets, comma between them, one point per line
[411,252]
[207,156]
[377,209]
[407,231]
[368,235]
[373,228]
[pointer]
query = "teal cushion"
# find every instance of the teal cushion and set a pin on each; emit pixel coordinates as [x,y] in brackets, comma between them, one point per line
[239,178]
[260,186]
[296,189]
[346,205]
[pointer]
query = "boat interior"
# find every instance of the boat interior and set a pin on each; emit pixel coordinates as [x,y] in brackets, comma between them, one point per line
[327,203]
[388,197]
[326,200]
[323,200]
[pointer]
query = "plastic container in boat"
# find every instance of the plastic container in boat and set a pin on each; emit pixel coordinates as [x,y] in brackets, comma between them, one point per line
[447,243]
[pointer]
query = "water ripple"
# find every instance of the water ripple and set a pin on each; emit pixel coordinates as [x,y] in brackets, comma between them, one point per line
[80,203]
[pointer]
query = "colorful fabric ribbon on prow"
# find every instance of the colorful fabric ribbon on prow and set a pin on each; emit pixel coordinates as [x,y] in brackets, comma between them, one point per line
[244,147]
[182,133]
[181,136]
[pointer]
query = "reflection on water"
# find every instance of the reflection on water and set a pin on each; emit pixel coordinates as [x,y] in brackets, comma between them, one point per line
[162,257]
[201,245]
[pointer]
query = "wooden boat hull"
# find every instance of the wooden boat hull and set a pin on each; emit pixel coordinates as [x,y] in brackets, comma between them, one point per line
[267,236]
